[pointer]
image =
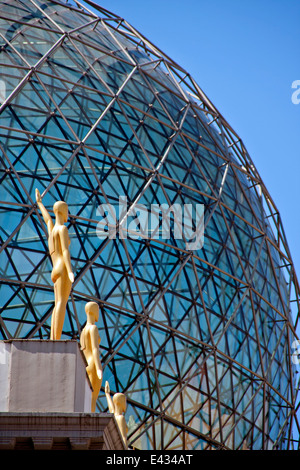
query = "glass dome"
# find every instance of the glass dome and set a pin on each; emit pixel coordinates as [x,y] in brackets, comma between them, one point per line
[199,339]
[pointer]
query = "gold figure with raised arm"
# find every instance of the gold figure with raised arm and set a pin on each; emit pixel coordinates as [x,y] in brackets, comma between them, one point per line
[62,275]
[117,406]
[89,342]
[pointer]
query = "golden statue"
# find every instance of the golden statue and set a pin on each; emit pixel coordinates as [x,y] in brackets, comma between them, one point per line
[117,406]
[62,275]
[89,342]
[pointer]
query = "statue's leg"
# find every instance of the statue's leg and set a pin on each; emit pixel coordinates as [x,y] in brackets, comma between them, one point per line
[96,385]
[53,314]
[52,324]
[62,289]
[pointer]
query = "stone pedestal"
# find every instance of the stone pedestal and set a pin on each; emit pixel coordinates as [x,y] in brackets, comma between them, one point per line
[43,376]
[45,399]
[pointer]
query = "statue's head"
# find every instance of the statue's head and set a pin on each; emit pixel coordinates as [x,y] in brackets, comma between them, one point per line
[119,400]
[92,308]
[62,208]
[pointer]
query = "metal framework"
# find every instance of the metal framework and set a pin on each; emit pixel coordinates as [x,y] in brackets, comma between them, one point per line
[199,341]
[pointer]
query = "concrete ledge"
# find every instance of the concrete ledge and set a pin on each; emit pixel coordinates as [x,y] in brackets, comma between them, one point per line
[59,431]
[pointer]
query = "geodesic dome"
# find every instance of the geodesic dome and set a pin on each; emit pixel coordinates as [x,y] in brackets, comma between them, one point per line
[198,340]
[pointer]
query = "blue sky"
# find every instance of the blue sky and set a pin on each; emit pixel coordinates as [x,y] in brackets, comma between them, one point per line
[244,54]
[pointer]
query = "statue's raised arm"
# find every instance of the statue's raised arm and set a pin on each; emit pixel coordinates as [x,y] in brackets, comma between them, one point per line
[108,398]
[45,213]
